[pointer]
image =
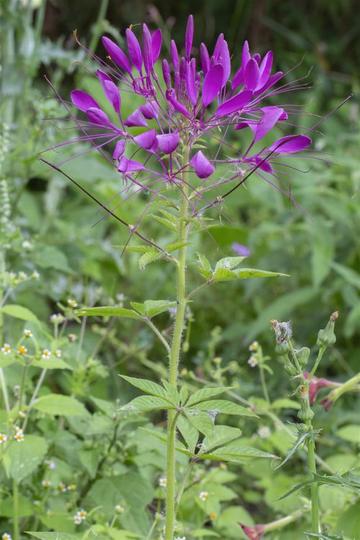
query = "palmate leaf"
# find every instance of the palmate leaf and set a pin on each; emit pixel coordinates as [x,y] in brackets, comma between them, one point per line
[220,436]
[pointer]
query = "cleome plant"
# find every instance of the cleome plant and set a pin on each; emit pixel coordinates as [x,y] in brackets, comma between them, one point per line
[200,450]
[178,146]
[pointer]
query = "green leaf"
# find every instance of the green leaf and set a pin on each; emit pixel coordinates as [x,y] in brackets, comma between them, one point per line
[148,387]
[189,432]
[236,453]
[20,312]
[220,436]
[224,274]
[204,394]
[22,458]
[108,311]
[51,364]
[302,437]
[222,406]
[58,405]
[147,403]
[348,274]
[204,266]
[350,433]
[149,257]
[228,263]
[349,522]
[53,535]
[151,308]
[285,403]
[200,420]
[51,257]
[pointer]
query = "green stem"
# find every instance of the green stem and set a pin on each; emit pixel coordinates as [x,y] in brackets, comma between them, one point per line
[317,361]
[16,532]
[283,522]
[263,383]
[315,514]
[174,363]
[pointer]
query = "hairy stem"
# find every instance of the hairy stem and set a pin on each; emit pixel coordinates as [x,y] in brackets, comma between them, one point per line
[315,514]
[174,357]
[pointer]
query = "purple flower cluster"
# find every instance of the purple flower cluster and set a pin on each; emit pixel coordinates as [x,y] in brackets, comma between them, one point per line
[184,99]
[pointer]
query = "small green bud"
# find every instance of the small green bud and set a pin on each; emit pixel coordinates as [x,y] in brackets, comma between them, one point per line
[282,349]
[326,336]
[303,356]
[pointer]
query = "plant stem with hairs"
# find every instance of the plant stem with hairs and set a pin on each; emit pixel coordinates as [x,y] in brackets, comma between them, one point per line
[174,356]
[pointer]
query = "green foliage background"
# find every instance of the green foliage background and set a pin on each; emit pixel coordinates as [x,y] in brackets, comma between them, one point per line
[77,252]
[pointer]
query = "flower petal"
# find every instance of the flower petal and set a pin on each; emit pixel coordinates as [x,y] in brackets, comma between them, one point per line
[150,110]
[116,54]
[212,84]
[174,55]
[222,56]
[147,49]
[98,117]
[156,42]
[134,49]
[129,165]
[202,165]
[146,139]
[168,143]
[204,58]
[136,119]
[265,69]
[239,75]
[271,115]
[82,100]
[110,89]
[251,74]
[234,104]
[190,83]
[119,149]
[189,36]
[291,144]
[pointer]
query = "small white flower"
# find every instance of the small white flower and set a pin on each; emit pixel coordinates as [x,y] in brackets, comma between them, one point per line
[19,435]
[254,346]
[6,349]
[58,353]
[62,487]
[203,496]
[46,354]
[264,432]
[27,245]
[22,276]
[6,536]
[28,333]
[72,303]
[253,361]
[22,350]
[162,482]
[119,509]
[180,537]
[79,517]
[51,464]
[46,483]
[3,438]
[35,275]
[57,318]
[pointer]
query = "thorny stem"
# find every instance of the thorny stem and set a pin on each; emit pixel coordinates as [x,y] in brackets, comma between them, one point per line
[174,356]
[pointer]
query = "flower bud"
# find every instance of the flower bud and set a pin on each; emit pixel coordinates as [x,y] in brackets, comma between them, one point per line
[326,336]
[303,356]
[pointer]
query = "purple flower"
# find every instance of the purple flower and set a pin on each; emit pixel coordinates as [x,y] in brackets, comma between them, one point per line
[194,100]
[240,249]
